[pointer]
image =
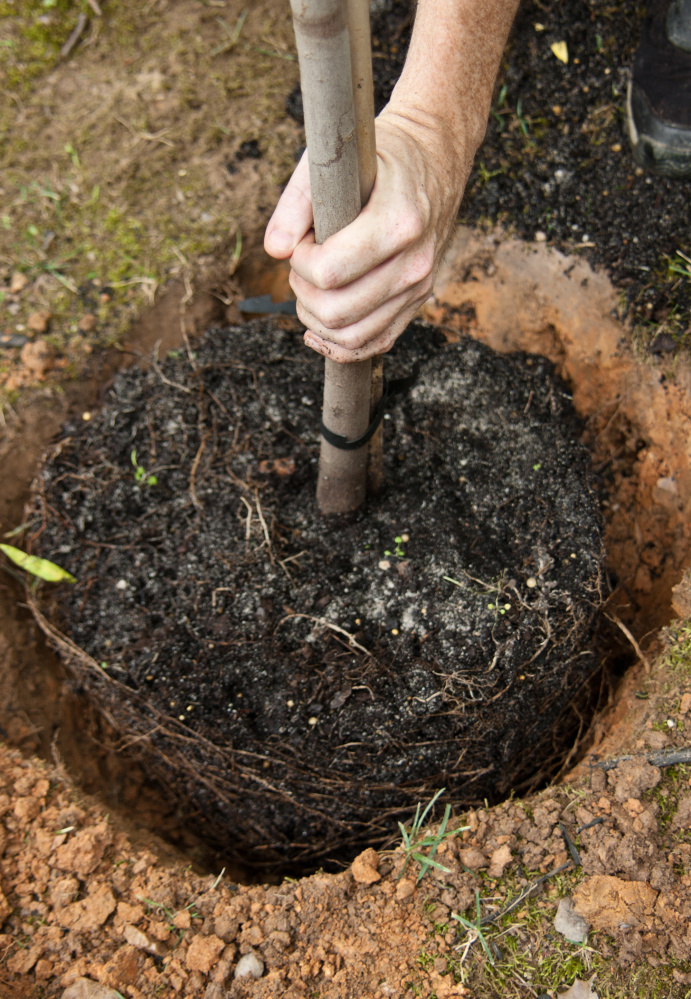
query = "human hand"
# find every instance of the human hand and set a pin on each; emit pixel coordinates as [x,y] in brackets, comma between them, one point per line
[358,291]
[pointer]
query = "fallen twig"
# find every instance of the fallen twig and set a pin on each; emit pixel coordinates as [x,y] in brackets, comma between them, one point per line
[77,33]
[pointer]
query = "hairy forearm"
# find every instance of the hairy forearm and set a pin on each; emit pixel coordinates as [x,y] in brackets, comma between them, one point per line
[358,291]
[448,78]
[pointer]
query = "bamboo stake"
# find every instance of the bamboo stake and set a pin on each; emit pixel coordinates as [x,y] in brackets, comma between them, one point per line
[321,33]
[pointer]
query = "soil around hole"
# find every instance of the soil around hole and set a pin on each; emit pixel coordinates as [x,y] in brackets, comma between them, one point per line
[297,684]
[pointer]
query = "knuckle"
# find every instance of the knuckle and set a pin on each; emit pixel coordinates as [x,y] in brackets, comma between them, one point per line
[324,275]
[331,317]
[354,341]
[409,227]
[420,266]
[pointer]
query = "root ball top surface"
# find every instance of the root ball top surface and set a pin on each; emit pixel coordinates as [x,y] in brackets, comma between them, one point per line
[299,682]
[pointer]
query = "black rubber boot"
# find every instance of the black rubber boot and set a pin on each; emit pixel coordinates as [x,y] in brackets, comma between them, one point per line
[659,96]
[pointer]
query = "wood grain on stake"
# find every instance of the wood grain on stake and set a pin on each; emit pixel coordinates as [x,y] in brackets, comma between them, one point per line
[363,100]
[323,44]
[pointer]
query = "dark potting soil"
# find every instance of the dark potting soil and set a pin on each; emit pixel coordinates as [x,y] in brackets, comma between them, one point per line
[556,157]
[299,682]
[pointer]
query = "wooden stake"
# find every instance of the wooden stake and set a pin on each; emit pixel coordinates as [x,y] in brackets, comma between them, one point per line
[321,33]
[363,99]
[363,95]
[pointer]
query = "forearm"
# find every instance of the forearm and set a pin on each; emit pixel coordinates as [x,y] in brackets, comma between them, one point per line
[357,292]
[446,85]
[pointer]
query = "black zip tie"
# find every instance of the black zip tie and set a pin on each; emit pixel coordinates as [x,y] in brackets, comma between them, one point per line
[13,339]
[264,304]
[589,825]
[522,896]
[396,387]
[571,846]
[664,758]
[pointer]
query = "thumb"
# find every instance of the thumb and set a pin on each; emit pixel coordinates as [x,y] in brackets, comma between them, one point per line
[293,216]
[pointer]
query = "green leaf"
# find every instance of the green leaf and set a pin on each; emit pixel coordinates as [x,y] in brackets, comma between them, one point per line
[40,567]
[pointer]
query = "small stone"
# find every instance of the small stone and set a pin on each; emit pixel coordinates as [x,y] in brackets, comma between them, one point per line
[540,237]
[18,282]
[685,705]
[364,867]
[531,582]
[142,941]
[38,322]
[85,988]
[37,357]
[569,923]
[249,966]
[87,323]
[384,564]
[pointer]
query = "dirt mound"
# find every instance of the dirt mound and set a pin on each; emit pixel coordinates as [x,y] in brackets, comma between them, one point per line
[298,684]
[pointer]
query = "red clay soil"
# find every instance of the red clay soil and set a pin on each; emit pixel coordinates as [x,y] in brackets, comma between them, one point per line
[82,899]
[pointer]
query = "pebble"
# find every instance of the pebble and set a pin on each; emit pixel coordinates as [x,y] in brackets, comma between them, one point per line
[18,282]
[569,923]
[85,988]
[249,966]
[384,564]
[142,941]
[38,322]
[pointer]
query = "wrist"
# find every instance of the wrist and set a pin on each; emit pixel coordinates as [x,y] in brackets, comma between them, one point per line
[449,139]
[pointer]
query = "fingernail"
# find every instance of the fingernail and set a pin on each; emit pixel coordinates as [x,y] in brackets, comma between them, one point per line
[281,240]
